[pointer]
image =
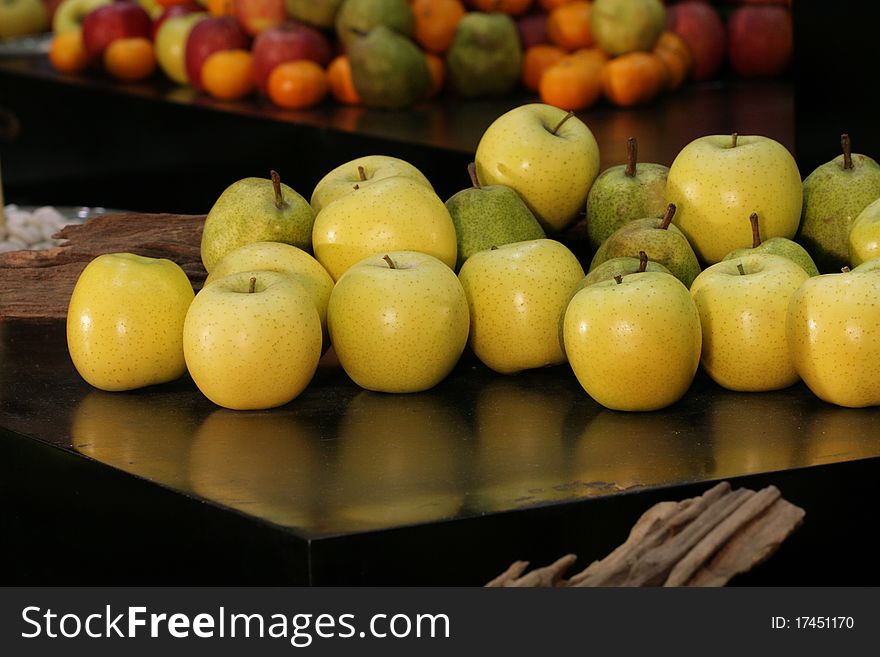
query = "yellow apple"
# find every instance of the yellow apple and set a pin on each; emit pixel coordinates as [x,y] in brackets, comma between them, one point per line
[266,464]
[170,45]
[398,322]
[252,340]
[552,169]
[362,172]
[833,329]
[147,435]
[399,461]
[22,18]
[864,236]
[743,303]
[516,295]
[634,342]
[717,180]
[284,258]
[392,214]
[125,321]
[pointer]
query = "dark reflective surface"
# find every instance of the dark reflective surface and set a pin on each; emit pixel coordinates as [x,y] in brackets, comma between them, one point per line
[340,460]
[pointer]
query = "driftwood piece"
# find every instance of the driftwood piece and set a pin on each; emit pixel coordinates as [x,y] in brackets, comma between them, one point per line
[36,285]
[702,541]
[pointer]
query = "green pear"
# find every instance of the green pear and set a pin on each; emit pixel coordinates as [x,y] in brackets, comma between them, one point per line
[623,193]
[834,195]
[622,26]
[256,210]
[868,265]
[621,266]
[864,237]
[490,215]
[356,18]
[320,13]
[388,70]
[664,241]
[485,56]
[780,246]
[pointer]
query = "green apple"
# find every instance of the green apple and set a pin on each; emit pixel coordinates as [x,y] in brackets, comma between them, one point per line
[147,435]
[391,214]
[549,157]
[398,322]
[170,45]
[362,172]
[125,321]
[516,295]
[22,18]
[264,464]
[864,237]
[717,180]
[743,304]
[634,342]
[70,13]
[252,340]
[399,460]
[833,329]
[280,257]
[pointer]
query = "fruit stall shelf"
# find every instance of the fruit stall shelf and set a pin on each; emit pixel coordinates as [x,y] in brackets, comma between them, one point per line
[159,148]
[344,486]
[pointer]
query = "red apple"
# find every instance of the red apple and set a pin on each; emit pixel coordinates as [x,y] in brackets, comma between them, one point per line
[532,30]
[174,10]
[288,42]
[760,40]
[254,16]
[111,22]
[700,27]
[206,38]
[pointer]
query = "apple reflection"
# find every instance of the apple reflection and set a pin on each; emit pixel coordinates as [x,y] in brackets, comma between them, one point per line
[147,434]
[398,462]
[838,434]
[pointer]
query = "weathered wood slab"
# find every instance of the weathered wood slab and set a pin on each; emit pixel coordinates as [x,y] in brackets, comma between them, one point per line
[36,285]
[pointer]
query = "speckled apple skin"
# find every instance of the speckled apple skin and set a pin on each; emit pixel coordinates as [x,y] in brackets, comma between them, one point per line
[552,173]
[716,187]
[248,351]
[125,321]
[833,330]
[516,295]
[743,320]
[864,238]
[402,329]
[634,346]
[394,214]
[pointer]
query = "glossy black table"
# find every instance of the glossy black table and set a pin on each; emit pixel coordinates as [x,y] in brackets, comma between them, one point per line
[344,486]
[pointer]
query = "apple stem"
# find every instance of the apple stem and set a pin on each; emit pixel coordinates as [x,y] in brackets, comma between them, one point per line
[733,139]
[756,231]
[667,217]
[632,152]
[276,185]
[846,146]
[252,286]
[845,270]
[564,119]
[472,172]
[362,174]
[619,279]
[742,271]
[387,258]
[643,261]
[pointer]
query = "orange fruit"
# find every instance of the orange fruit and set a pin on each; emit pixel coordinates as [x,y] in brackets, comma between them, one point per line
[434,23]
[341,84]
[229,74]
[594,55]
[571,84]
[130,59]
[220,7]
[536,60]
[296,85]
[67,53]
[550,5]
[512,7]
[676,56]
[633,79]
[437,67]
[568,26]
